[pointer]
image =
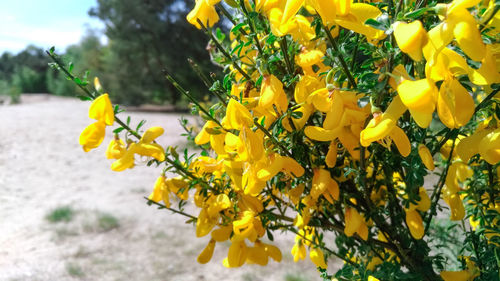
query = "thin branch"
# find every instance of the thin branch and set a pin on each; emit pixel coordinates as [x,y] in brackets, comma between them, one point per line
[173,210]
[340,57]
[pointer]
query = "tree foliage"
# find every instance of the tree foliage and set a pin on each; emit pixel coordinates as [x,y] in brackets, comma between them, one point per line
[146,37]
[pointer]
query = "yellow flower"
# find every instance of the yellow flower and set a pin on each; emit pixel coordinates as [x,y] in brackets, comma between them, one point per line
[237,254]
[355,19]
[324,184]
[92,136]
[420,99]
[205,12]
[382,128]
[425,155]
[415,224]
[355,223]
[116,149]
[272,92]
[102,111]
[206,255]
[411,38]
[298,252]
[318,258]
[489,147]
[160,191]
[237,116]
[457,23]
[144,147]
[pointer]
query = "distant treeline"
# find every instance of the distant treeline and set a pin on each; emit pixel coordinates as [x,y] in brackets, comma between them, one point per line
[144,37]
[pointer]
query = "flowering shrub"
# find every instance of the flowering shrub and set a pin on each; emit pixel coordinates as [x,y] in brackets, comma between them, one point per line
[331,117]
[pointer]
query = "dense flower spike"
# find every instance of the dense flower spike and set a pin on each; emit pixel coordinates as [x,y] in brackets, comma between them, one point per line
[301,136]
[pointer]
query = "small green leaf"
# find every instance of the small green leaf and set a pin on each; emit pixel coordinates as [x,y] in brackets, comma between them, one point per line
[84,98]
[118,130]
[219,35]
[416,14]
[237,27]
[140,124]
[375,24]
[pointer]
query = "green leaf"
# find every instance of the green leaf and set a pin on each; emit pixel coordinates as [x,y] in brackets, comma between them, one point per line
[118,130]
[140,124]
[237,27]
[219,35]
[375,24]
[84,98]
[416,14]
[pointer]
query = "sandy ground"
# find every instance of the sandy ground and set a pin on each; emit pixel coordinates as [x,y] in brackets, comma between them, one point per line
[42,167]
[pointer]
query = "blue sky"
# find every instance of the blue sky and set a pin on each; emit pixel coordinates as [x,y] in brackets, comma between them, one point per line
[44,23]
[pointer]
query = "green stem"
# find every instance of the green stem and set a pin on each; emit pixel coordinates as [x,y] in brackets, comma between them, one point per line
[284,50]
[88,93]
[191,98]
[437,191]
[340,57]
[273,139]
[173,210]
[230,17]
[206,81]
[225,53]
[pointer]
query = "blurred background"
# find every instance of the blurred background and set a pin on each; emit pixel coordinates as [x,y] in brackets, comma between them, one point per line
[126,44]
[64,215]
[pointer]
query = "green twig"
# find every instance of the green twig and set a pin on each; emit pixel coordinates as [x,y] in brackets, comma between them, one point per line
[284,50]
[61,66]
[437,191]
[173,210]
[191,98]
[230,17]
[340,57]
[225,53]
[273,139]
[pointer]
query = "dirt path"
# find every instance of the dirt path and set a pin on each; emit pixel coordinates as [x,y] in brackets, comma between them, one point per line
[113,234]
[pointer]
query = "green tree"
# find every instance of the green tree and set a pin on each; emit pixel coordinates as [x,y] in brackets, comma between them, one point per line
[146,37]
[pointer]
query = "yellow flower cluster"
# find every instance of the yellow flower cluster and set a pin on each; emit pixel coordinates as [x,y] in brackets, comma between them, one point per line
[284,150]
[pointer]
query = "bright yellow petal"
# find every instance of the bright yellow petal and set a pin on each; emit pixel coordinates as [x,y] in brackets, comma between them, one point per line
[151,134]
[418,95]
[401,140]
[467,34]
[411,37]
[415,224]
[455,105]
[92,136]
[206,255]
[102,110]
[425,155]
[318,258]
[489,147]
[320,134]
